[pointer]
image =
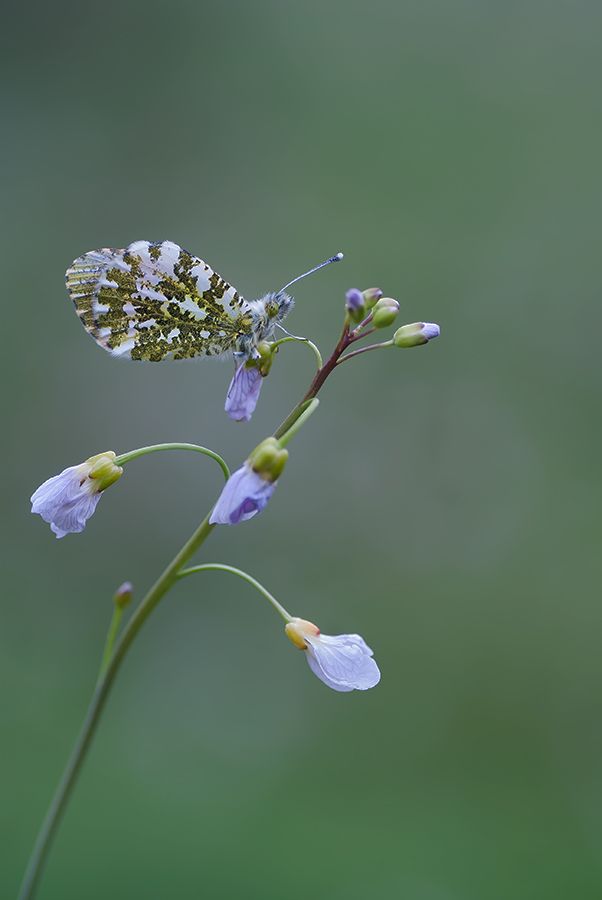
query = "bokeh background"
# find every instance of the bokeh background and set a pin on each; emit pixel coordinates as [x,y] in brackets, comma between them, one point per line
[444,502]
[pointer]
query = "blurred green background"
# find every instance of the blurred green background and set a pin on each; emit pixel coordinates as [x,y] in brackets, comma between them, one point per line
[444,502]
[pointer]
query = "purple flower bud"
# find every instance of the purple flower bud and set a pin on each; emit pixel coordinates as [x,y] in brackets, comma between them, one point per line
[243,393]
[245,494]
[354,300]
[430,330]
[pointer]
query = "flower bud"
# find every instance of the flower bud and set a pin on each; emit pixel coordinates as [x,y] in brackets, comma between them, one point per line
[123,595]
[268,459]
[371,295]
[297,630]
[103,471]
[385,312]
[354,303]
[266,355]
[416,334]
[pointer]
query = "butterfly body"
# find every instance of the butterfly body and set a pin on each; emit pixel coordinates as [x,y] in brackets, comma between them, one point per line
[155,301]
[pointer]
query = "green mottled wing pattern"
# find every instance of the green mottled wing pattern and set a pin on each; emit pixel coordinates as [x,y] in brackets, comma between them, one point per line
[155,301]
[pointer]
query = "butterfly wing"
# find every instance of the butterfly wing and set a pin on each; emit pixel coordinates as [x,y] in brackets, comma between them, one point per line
[155,301]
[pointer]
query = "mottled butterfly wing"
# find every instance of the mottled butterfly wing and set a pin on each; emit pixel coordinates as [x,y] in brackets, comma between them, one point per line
[155,301]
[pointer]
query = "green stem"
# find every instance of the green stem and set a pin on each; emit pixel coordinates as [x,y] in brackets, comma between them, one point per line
[110,669]
[110,641]
[99,698]
[364,350]
[308,410]
[222,567]
[155,448]
[300,340]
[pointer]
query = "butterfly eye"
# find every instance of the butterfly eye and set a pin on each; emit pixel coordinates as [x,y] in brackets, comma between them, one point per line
[271,309]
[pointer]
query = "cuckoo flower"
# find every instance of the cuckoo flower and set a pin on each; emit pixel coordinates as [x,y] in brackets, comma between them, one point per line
[342,661]
[67,501]
[248,490]
[243,392]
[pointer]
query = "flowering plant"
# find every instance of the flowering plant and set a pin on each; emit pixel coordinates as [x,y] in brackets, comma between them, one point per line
[66,501]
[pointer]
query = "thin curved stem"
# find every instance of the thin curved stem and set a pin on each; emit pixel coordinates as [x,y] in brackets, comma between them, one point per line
[155,448]
[222,567]
[300,340]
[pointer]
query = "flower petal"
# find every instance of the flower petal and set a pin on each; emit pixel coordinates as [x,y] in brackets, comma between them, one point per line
[243,393]
[343,662]
[245,494]
[66,501]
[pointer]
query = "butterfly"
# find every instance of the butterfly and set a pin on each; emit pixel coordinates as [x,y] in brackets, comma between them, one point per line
[155,301]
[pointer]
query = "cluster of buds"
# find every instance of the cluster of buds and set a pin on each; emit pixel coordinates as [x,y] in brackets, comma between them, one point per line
[359,303]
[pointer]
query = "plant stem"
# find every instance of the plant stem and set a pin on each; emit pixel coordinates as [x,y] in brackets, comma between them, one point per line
[222,567]
[103,687]
[110,641]
[155,448]
[110,668]
[364,350]
[309,408]
[300,340]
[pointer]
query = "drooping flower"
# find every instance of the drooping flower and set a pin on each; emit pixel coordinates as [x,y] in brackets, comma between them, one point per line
[344,662]
[243,392]
[244,495]
[248,490]
[66,501]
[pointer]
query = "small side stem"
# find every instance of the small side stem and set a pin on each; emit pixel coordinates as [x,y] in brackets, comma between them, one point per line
[300,340]
[221,567]
[309,409]
[110,641]
[364,350]
[156,448]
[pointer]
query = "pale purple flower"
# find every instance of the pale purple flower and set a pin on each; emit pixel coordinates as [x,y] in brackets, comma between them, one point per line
[243,393]
[344,662]
[67,501]
[245,494]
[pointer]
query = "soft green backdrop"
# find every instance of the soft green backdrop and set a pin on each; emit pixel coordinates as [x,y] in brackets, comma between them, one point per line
[444,502]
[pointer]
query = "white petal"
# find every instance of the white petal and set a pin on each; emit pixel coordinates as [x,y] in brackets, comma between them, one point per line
[66,501]
[57,490]
[343,662]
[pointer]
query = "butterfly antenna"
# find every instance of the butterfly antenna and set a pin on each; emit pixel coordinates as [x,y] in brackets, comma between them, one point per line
[336,258]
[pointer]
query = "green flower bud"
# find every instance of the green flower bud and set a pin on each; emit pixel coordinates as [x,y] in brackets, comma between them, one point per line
[103,471]
[123,595]
[268,459]
[385,312]
[371,295]
[415,334]
[266,356]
